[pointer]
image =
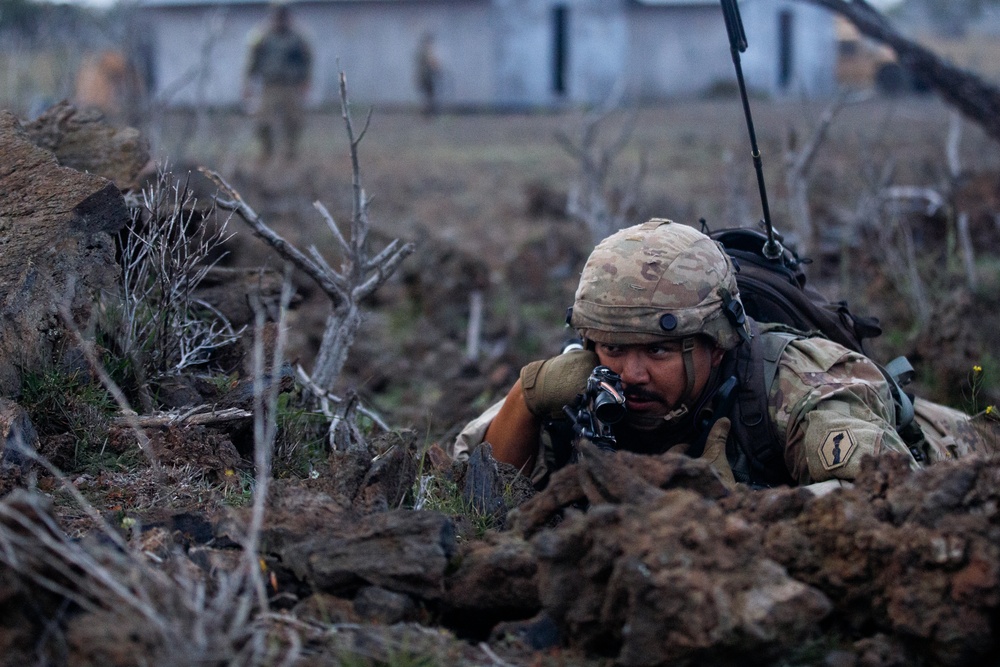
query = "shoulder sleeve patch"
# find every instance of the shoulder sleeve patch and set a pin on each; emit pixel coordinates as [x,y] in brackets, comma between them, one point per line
[837,448]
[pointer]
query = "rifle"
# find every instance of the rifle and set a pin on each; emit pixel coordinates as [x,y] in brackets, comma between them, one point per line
[737,45]
[600,405]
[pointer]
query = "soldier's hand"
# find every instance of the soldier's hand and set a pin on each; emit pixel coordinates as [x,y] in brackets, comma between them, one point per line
[553,383]
[715,452]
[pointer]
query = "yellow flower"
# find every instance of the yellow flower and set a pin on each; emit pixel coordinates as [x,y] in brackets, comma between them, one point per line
[230,472]
[990,409]
[977,369]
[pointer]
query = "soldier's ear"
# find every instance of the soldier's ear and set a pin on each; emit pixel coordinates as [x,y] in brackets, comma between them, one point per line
[717,354]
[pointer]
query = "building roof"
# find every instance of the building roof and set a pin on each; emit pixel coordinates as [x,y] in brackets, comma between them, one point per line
[670,3]
[222,3]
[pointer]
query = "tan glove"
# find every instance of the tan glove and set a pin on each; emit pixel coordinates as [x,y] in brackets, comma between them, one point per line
[550,384]
[715,452]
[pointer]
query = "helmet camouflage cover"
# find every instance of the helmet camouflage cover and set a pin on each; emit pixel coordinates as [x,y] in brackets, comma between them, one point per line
[658,281]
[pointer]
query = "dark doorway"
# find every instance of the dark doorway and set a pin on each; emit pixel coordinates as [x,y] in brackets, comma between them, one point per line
[560,48]
[786,66]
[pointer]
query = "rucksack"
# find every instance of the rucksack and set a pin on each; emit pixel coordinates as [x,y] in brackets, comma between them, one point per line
[774,292]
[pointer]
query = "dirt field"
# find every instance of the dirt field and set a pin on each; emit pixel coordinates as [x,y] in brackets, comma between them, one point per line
[389,552]
[481,196]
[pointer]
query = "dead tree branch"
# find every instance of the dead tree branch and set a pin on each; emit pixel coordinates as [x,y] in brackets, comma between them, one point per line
[590,200]
[977,99]
[203,415]
[798,166]
[360,272]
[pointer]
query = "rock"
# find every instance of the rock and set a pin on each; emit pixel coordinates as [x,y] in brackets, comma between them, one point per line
[915,555]
[400,550]
[378,605]
[537,633]
[621,477]
[496,579]
[82,141]
[483,489]
[391,474]
[18,437]
[326,609]
[55,234]
[674,580]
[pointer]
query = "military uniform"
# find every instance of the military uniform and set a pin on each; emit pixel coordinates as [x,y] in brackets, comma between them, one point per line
[428,73]
[281,60]
[827,406]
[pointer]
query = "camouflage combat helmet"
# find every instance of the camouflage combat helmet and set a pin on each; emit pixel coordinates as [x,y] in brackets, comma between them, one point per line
[655,281]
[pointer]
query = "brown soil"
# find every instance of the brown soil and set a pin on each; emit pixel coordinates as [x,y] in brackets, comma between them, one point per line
[483,196]
[666,567]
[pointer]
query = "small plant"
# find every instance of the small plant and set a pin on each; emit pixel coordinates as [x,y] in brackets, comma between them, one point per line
[73,403]
[986,418]
[238,489]
[301,437]
[438,494]
[977,383]
[166,253]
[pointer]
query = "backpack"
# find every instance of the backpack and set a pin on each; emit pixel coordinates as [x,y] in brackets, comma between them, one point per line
[774,292]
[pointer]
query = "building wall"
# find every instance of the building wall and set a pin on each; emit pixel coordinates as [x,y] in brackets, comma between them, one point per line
[496,53]
[666,61]
[594,45]
[680,52]
[373,42]
[814,48]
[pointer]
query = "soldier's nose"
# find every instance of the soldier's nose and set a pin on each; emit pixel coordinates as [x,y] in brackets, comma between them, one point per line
[633,370]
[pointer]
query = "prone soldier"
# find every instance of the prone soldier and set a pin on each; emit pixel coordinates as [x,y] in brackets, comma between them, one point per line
[658,306]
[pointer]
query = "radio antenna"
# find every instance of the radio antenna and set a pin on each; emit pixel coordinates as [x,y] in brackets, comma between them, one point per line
[737,45]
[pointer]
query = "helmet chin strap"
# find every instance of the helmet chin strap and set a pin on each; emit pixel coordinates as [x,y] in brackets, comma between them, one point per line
[687,352]
[687,402]
[684,406]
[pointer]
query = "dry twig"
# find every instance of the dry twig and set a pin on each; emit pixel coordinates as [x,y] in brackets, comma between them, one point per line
[590,199]
[359,275]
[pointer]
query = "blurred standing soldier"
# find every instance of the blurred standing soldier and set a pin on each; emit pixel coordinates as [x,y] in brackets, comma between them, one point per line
[279,66]
[109,82]
[428,73]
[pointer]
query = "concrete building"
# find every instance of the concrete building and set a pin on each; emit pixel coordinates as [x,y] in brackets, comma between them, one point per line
[500,54]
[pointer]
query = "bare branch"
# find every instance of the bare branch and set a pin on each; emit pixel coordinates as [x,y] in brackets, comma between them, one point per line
[306,381]
[975,97]
[382,273]
[289,252]
[332,225]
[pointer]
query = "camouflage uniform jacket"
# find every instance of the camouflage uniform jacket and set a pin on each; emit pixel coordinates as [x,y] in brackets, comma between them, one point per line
[830,406]
[282,58]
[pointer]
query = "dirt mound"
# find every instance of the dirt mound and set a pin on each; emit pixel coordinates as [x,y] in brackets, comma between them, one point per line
[643,560]
[903,559]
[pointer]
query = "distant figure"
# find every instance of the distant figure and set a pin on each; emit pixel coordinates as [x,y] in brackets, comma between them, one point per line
[278,69]
[428,73]
[108,82]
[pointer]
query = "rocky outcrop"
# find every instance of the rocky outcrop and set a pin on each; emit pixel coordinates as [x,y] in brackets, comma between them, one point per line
[56,247]
[81,140]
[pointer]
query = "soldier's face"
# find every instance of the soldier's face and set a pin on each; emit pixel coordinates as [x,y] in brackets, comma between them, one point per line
[654,378]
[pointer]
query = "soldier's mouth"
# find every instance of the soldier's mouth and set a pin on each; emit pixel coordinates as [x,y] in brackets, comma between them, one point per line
[641,400]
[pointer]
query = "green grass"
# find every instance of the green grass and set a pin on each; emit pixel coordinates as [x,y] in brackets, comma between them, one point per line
[301,438]
[71,402]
